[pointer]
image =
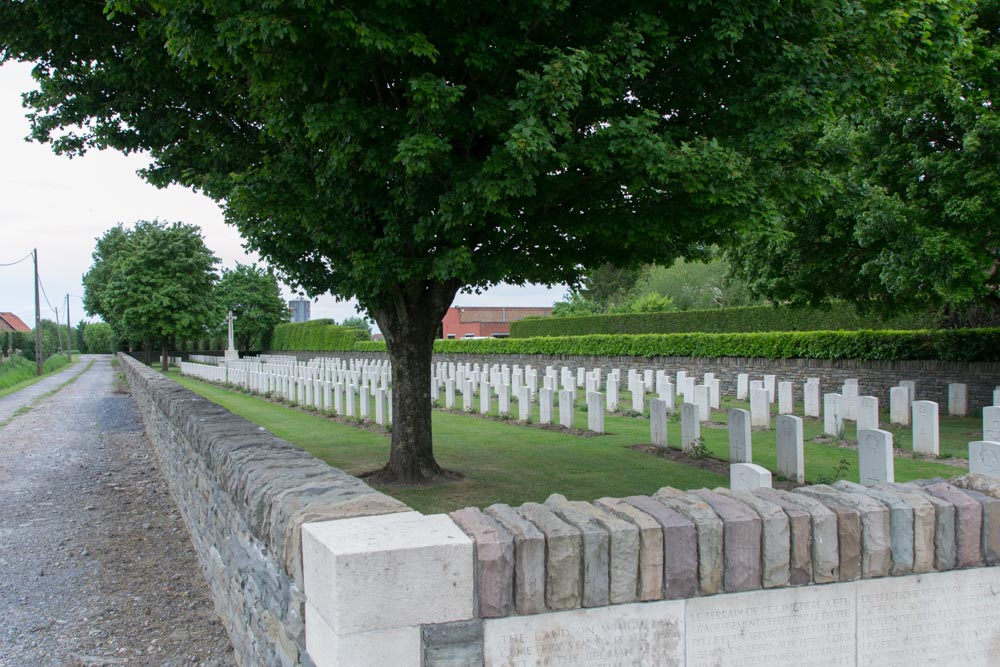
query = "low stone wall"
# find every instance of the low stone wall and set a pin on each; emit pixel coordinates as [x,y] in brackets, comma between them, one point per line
[823,575]
[874,377]
[244,494]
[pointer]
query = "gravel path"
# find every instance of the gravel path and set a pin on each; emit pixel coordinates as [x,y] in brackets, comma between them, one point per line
[96,567]
[13,402]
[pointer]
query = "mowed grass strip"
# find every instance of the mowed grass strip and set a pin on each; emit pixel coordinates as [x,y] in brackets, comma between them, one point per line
[18,373]
[501,461]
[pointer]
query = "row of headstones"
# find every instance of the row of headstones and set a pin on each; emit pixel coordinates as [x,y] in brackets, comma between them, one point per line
[301,385]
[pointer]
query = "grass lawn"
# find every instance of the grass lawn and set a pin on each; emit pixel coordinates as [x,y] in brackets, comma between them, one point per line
[513,463]
[17,373]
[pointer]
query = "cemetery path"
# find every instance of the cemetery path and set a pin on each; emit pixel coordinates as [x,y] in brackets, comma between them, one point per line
[96,567]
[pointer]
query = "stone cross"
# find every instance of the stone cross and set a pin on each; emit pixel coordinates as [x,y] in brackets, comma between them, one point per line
[230,320]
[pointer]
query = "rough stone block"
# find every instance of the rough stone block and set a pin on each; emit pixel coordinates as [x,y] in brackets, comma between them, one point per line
[595,550]
[650,573]
[711,563]
[452,644]
[991,526]
[900,524]
[944,525]
[563,557]
[494,554]
[741,542]
[423,563]
[876,552]
[827,531]
[799,535]
[775,537]
[968,523]
[529,559]
[623,549]
[680,547]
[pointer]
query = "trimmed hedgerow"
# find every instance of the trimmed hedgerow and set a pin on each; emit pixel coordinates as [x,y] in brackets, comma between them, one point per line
[721,320]
[945,345]
[316,336]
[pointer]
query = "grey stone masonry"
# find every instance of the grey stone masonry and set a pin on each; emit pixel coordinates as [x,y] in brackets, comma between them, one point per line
[458,644]
[244,495]
[684,544]
[529,559]
[494,554]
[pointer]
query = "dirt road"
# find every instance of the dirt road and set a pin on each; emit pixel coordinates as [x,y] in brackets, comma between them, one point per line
[96,567]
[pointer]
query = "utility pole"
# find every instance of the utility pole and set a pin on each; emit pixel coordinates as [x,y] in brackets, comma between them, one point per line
[69,334]
[39,352]
[58,330]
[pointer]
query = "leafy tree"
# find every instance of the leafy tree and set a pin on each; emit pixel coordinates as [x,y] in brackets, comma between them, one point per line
[398,152]
[254,296]
[575,304]
[154,282]
[646,303]
[908,219]
[100,338]
[694,285]
[359,323]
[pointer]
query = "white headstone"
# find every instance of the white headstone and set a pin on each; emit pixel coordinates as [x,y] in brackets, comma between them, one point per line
[991,424]
[668,396]
[899,406]
[364,403]
[701,399]
[984,458]
[485,400]
[715,394]
[785,403]
[566,408]
[612,394]
[351,400]
[748,477]
[867,412]
[770,385]
[996,396]
[658,422]
[810,396]
[468,394]
[503,400]
[760,410]
[740,445]
[545,397]
[524,404]
[638,396]
[926,437]
[690,426]
[380,418]
[850,393]
[911,385]
[449,393]
[742,386]
[958,399]
[791,461]
[875,462]
[833,415]
[595,412]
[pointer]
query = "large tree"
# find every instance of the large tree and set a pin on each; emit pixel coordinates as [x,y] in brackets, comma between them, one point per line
[400,151]
[908,219]
[254,297]
[153,282]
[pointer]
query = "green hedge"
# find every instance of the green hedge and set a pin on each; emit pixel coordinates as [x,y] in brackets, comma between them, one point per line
[316,336]
[721,320]
[869,345]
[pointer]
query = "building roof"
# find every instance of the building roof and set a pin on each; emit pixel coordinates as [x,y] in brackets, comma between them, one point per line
[13,322]
[469,314]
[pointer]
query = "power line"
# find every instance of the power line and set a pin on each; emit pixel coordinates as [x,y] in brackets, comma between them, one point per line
[47,297]
[18,261]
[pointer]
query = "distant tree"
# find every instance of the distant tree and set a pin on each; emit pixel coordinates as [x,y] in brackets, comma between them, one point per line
[646,303]
[694,285]
[359,323]
[254,296]
[154,282]
[100,338]
[399,152]
[574,304]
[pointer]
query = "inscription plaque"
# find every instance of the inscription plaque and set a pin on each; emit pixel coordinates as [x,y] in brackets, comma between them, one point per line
[621,636]
[799,627]
[948,618]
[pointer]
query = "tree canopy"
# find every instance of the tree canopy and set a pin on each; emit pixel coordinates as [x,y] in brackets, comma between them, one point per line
[153,282]
[254,297]
[909,215]
[400,151]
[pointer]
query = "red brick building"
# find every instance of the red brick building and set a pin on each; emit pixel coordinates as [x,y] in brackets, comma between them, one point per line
[485,321]
[11,322]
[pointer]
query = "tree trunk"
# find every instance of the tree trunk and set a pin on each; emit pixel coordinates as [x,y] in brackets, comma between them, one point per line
[409,321]
[164,364]
[147,352]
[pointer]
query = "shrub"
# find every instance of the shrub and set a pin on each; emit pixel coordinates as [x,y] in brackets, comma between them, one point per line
[316,336]
[721,320]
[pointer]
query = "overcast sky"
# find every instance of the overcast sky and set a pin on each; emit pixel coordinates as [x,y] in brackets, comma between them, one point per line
[61,205]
